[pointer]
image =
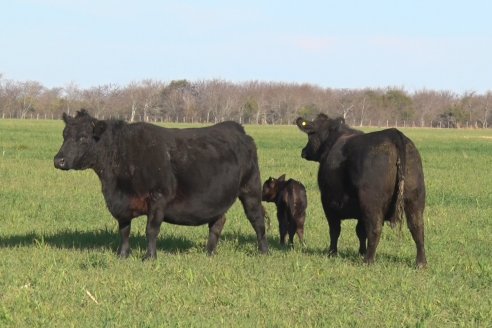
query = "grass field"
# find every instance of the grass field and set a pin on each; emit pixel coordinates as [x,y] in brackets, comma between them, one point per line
[58,265]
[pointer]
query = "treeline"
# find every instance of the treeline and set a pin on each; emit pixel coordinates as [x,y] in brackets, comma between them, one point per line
[248,103]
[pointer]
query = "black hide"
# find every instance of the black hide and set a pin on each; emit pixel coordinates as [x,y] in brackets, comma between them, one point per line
[371,177]
[181,176]
[291,201]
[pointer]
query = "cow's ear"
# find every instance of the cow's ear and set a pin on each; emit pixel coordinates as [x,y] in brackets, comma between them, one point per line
[337,123]
[281,178]
[98,129]
[66,118]
[304,125]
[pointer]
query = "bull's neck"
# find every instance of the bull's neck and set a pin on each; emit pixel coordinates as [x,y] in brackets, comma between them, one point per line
[109,177]
[340,136]
[106,155]
[329,143]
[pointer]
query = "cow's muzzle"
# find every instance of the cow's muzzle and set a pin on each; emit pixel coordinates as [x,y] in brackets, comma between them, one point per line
[60,163]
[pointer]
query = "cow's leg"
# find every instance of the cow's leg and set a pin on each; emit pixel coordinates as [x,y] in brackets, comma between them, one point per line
[254,213]
[415,222]
[335,226]
[215,228]
[372,216]
[374,226]
[250,197]
[360,230]
[124,227]
[154,220]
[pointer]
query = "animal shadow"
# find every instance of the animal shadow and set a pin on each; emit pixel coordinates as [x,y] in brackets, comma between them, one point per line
[352,256]
[243,240]
[98,239]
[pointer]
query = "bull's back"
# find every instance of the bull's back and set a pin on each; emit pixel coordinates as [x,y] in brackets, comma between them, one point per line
[393,145]
[374,161]
[362,164]
[155,149]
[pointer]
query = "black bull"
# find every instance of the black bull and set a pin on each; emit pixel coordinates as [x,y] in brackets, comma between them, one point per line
[181,176]
[371,177]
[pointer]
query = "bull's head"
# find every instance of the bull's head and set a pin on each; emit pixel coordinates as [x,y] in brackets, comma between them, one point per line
[80,135]
[271,188]
[318,131]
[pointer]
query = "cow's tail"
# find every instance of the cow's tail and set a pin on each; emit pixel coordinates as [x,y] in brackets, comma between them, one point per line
[401,163]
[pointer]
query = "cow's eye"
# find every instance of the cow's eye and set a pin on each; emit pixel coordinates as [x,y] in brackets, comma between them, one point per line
[83,139]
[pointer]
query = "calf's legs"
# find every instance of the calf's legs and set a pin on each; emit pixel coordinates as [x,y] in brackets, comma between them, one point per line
[298,223]
[283,225]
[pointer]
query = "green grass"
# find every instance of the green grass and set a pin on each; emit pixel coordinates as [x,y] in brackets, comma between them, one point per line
[58,265]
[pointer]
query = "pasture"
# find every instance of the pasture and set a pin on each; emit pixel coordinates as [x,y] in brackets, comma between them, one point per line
[58,265]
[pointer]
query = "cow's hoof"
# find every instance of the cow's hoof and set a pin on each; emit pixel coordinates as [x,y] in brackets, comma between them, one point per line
[264,251]
[263,247]
[123,254]
[149,257]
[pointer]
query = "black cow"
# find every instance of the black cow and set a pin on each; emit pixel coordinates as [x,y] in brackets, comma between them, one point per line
[181,176]
[371,177]
[291,201]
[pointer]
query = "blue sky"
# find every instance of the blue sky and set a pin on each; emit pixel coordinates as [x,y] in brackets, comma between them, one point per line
[441,45]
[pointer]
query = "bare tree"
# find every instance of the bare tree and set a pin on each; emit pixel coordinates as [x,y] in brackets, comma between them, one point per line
[29,92]
[486,104]
[72,96]
[101,99]
[144,96]
[248,102]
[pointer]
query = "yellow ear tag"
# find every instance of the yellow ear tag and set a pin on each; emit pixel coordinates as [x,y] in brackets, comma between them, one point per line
[303,123]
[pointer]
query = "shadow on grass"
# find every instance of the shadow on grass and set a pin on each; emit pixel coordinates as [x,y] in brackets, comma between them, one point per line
[100,239]
[353,256]
[107,239]
[250,239]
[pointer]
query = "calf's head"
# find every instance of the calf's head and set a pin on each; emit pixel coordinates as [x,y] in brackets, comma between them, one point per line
[318,131]
[80,136]
[271,188]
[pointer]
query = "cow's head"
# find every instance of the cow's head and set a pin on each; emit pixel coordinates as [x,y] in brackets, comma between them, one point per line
[318,131]
[80,135]
[271,187]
